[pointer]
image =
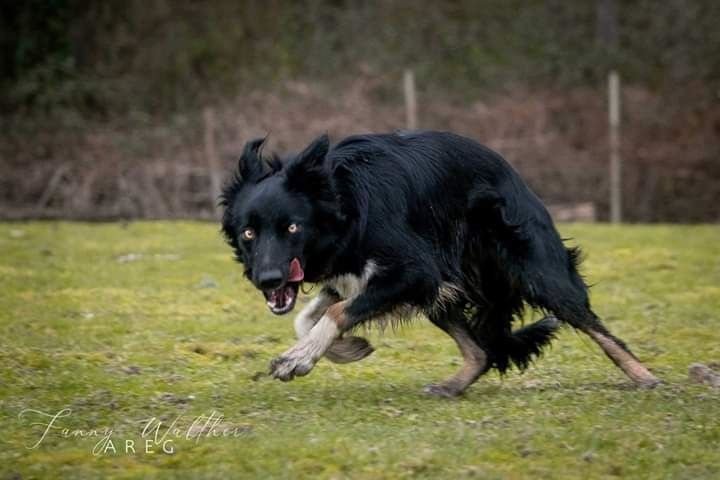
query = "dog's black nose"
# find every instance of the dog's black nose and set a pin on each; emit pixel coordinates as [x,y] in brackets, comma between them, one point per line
[270,279]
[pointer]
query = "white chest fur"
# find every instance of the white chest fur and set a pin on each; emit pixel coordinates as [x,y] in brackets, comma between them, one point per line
[350,286]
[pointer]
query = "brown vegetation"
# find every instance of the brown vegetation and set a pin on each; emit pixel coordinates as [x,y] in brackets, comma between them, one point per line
[102,103]
[557,140]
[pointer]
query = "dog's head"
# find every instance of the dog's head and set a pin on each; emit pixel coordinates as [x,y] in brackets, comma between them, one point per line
[281,219]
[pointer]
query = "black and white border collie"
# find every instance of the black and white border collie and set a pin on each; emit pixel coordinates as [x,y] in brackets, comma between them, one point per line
[392,225]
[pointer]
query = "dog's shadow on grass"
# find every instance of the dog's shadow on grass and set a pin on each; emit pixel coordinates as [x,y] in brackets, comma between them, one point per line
[400,395]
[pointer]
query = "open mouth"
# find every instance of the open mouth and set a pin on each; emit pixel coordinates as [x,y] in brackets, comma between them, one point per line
[282,300]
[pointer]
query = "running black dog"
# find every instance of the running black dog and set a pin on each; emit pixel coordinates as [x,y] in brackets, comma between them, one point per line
[397,224]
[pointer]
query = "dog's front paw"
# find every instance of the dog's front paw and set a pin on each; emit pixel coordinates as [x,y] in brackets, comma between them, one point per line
[289,365]
[349,349]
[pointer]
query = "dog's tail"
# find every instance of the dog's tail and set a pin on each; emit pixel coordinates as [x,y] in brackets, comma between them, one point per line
[521,346]
[528,342]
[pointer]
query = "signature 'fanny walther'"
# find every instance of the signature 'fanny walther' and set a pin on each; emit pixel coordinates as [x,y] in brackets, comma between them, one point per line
[397,224]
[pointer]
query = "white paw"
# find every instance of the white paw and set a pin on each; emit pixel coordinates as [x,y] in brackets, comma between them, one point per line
[294,362]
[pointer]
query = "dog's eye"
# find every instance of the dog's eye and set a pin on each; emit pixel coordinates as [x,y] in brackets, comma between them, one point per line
[294,228]
[248,234]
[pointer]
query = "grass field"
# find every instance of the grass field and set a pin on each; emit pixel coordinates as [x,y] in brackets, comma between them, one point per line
[131,327]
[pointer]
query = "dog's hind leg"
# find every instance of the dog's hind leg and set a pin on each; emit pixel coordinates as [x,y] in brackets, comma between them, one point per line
[475,359]
[617,351]
[569,302]
[345,349]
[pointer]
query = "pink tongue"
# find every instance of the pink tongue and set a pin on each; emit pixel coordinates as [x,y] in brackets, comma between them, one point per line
[296,271]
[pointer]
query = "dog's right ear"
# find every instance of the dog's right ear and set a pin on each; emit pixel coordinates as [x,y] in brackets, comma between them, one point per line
[250,165]
[250,169]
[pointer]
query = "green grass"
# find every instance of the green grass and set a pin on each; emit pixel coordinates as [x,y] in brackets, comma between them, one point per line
[176,331]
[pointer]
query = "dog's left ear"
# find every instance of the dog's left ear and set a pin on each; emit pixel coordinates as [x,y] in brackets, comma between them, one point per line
[312,157]
[306,173]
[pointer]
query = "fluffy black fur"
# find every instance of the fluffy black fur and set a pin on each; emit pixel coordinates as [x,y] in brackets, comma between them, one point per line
[432,210]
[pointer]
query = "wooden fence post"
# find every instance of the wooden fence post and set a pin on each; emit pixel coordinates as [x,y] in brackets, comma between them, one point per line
[615,159]
[410,100]
[211,159]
